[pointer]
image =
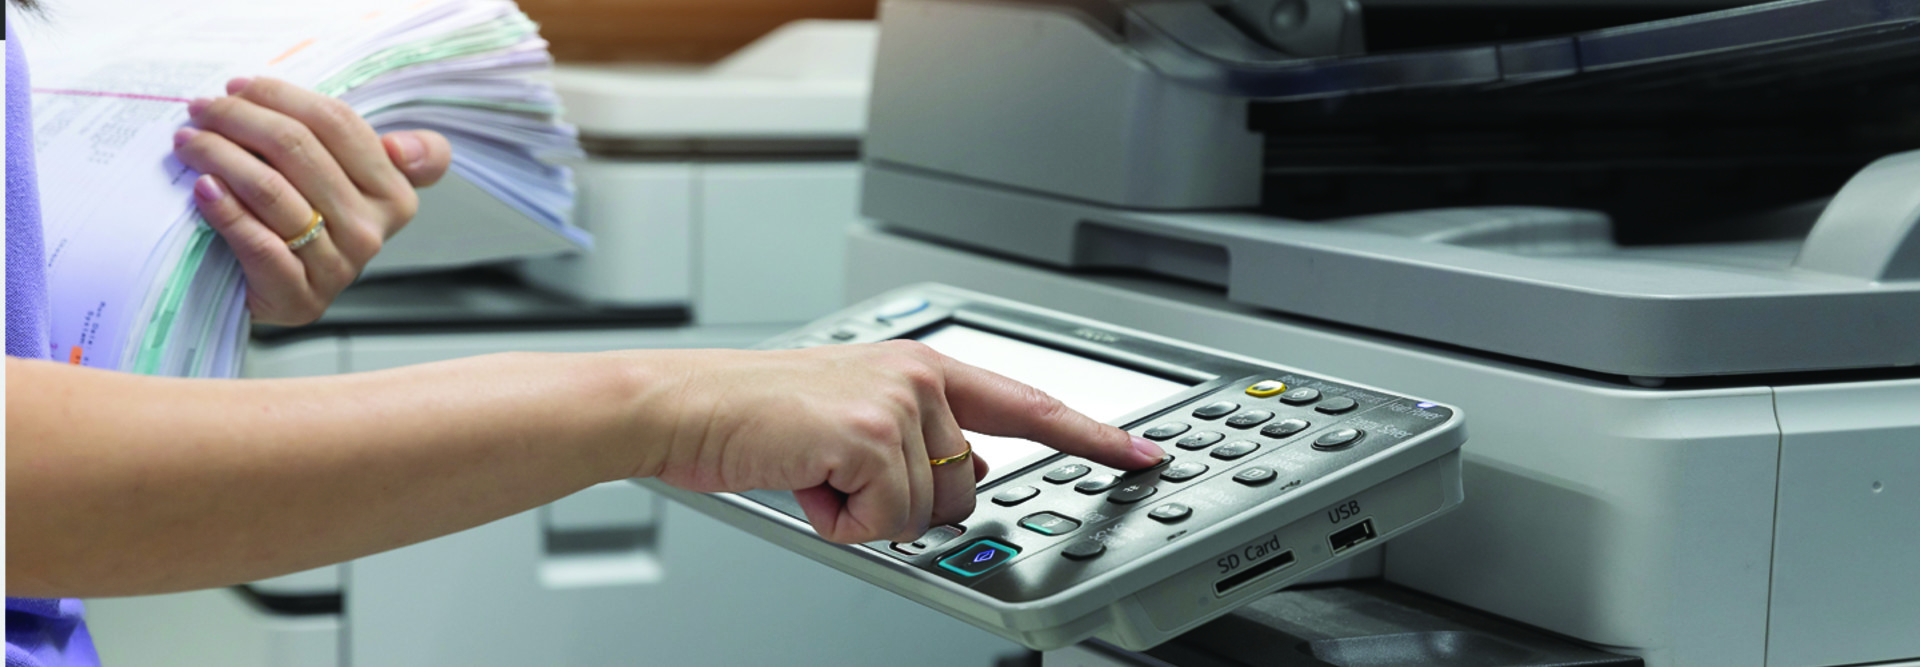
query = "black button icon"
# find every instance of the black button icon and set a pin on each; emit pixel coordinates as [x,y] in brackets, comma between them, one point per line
[1132,493]
[1184,472]
[1286,428]
[1250,419]
[1048,523]
[1015,495]
[1096,484]
[1200,440]
[1300,396]
[1235,449]
[935,537]
[1171,513]
[1216,410]
[1165,431]
[1255,476]
[1067,473]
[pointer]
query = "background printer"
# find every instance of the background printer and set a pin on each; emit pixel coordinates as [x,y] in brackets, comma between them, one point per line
[1669,259]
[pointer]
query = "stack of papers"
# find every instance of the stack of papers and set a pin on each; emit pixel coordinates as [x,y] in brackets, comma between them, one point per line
[138,282]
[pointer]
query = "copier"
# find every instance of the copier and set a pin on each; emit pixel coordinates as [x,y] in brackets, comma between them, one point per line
[1667,255]
[697,178]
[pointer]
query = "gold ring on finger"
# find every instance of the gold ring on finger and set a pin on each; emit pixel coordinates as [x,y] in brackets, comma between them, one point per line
[956,458]
[312,232]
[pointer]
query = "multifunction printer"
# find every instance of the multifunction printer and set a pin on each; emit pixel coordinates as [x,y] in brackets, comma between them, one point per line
[1667,255]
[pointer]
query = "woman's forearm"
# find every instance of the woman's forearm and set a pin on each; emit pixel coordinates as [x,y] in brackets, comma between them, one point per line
[121,484]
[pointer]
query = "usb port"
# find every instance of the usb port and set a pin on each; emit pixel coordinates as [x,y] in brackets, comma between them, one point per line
[1253,572]
[1351,536]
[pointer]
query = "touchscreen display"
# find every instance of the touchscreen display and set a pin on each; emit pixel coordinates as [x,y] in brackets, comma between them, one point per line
[1097,389]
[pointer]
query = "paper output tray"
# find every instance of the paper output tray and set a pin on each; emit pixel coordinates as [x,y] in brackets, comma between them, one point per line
[1535,283]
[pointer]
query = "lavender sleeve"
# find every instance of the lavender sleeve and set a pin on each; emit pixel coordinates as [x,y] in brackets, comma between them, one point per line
[40,633]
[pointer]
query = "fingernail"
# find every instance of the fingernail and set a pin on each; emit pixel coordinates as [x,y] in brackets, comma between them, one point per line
[208,189]
[238,84]
[1147,449]
[198,105]
[184,135]
[411,149]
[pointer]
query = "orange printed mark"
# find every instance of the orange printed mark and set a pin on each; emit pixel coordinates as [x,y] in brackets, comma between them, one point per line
[296,49]
[370,15]
[74,356]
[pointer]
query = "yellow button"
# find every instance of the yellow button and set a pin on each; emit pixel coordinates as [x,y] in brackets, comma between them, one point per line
[1266,388]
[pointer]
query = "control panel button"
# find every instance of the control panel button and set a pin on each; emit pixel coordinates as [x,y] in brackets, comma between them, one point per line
[1184,471]
[935,537]
[1337,405]
[1216,410]
[1200,440]
[1096,484]
[844,335]
[979,557]
[1048,523]
[1132,493]
[1084,549]
[1250,419]
[1130,474]
[1165,431]
[1015,495]
[1255,476]
[1266,388]
[1300,396]
[1235,449]
[1067,473]
[900,308]
[1171,513]
[1285,428]
[1339,438]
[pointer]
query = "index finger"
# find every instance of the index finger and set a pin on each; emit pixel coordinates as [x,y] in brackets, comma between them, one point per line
[994,404]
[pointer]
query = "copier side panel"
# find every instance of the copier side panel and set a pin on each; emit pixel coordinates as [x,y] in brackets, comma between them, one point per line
[1637,519]
[1846,568]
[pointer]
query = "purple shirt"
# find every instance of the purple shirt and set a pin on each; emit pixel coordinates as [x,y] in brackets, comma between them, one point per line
[40,633]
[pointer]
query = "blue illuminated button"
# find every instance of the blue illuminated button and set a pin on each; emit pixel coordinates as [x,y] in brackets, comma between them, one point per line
[978,558]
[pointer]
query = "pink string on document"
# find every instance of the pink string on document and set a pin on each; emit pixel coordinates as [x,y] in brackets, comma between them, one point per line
[100,93]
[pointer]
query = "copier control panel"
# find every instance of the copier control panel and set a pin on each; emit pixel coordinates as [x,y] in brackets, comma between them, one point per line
[1271,474]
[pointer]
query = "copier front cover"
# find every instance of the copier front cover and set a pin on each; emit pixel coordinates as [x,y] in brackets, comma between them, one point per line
[1273,474]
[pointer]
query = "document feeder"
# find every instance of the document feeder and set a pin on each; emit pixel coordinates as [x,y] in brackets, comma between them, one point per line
[1272,474]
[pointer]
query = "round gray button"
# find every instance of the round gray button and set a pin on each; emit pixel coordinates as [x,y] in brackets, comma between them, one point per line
[1083,550]
[1200,440]
[1216,410]
[1171,513]
[1339,438]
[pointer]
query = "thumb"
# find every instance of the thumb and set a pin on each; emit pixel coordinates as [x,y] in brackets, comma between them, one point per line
[423,155]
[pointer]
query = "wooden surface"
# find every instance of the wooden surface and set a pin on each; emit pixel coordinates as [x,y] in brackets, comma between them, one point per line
[671,30]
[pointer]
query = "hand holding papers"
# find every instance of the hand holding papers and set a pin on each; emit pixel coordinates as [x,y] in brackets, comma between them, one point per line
[138,283]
